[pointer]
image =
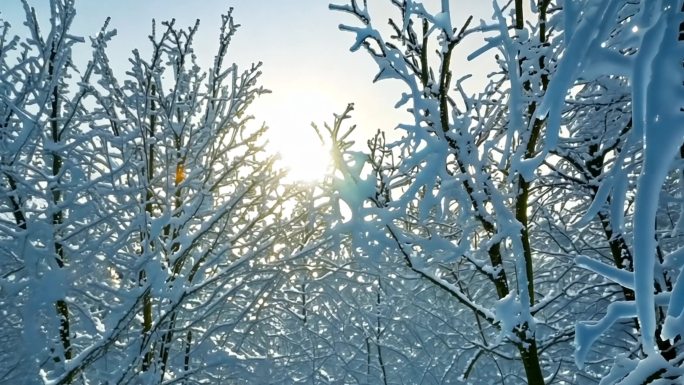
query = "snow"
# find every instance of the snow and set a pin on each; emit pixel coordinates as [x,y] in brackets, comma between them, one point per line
[623,278]
[405,264]
[508,311]
[587,333]
[659,120]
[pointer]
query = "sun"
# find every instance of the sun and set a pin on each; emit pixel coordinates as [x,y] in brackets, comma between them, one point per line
[301,151]
[305,159]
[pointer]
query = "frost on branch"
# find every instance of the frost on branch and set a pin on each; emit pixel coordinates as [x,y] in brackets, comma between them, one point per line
[522,203]
[144,226]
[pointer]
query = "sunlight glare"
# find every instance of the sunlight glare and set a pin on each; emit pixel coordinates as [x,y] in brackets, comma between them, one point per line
[306,164]
[289,117]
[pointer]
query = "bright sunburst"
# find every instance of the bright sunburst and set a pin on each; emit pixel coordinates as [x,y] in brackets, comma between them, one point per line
[301,151]
[305,158]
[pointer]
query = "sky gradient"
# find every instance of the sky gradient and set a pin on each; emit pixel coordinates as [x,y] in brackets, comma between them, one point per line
[307,62]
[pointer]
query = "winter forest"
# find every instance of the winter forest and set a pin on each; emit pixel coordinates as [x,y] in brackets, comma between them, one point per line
[530,232]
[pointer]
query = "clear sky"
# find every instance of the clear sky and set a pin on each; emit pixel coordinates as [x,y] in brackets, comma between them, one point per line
[307,62]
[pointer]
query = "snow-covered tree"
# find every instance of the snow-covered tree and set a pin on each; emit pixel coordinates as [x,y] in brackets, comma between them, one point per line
[548,198]
[144,224]
[475,192]
[52,175]
[624,69]
[459,199]
[527,233]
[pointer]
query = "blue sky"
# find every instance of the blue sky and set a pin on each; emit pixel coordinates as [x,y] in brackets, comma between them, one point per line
[307,62]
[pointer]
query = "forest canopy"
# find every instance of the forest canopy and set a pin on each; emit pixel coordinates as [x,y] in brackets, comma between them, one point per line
[529,232]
